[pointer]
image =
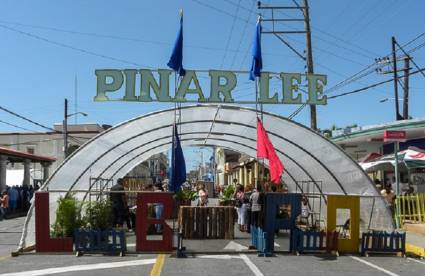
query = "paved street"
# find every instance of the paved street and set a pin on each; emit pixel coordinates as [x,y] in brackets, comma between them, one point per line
[214,264]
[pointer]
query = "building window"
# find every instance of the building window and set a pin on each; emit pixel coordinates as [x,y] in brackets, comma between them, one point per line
[30,150]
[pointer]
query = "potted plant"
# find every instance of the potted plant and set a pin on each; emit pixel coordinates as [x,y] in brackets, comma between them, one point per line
[68,217]
[226,199]
[185,196]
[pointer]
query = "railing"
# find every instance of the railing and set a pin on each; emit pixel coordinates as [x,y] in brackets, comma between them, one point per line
[97,241]
[383,242]
[411,207]
[258,240]
[314,241]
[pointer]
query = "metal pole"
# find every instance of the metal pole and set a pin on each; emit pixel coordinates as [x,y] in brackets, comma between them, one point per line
[395,77]
[406,88]
[397,183]
[65,130]
[309,53]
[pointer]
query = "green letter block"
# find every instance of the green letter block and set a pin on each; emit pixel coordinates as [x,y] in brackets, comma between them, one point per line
[289,88]
[130,85]
[225,89]
[103,86]
[315,89]
[162,91]
[264,90]
[184,87]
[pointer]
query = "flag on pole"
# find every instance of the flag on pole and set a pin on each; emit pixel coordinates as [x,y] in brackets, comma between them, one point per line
[266,150]
[178,165]
[257,60]
[176,59]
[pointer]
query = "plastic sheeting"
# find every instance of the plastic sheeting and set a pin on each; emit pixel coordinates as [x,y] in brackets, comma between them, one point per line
[306,155]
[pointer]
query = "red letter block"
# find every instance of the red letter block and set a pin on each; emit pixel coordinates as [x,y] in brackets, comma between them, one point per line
[142,222]
[43,242]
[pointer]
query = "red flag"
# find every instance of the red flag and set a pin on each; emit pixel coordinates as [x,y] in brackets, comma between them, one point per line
[266,150]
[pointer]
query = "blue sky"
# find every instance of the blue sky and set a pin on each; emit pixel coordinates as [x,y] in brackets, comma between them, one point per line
[51,41]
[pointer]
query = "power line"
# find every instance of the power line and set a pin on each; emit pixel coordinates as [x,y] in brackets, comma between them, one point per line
[63,45]
[230,34]
[373,85]
[26,119]
[9,124]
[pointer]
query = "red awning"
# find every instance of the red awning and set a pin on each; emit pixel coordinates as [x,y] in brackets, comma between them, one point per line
[370,157]
[19,156]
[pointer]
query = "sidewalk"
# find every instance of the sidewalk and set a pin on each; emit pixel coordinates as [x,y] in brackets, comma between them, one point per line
[415,239]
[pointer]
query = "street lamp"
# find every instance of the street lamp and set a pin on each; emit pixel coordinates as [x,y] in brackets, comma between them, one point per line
[65,127]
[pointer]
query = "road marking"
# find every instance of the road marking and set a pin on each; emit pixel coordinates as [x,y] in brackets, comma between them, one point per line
[416,261]
[235,246]
[220,257]
[374,266]
[251,265]
[159,263]
[73,268]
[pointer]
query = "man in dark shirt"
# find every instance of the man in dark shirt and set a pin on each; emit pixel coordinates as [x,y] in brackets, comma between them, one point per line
[118,203]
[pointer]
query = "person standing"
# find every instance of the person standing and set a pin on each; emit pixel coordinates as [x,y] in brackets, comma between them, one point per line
[389,197]
[202,196]
[241,209]
[4,204]
[118,203]
[256,199]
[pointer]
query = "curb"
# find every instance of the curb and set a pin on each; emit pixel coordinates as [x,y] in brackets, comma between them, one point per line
[415,250]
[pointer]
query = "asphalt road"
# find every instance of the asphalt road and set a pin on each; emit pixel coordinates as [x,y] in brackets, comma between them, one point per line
[225,264]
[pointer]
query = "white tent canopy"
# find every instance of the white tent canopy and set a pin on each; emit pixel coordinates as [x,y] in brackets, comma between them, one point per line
[307,155]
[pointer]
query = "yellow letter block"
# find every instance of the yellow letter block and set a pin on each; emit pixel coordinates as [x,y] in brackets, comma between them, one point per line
[349,244]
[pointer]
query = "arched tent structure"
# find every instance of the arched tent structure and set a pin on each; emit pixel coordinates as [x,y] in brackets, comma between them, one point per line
[307,155]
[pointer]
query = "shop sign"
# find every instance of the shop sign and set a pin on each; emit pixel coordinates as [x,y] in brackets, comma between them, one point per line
[394,136]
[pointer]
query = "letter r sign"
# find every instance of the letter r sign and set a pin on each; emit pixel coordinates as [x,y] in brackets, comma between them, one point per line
[143,222]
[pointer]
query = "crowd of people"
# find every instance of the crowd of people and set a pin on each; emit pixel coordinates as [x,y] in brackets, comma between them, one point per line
[16,199]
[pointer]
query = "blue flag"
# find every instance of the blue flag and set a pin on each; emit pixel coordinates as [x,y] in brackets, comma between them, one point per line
[178,165]
[176,59]
[257,60]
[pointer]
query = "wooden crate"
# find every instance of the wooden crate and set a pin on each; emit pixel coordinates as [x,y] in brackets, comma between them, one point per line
[207,222]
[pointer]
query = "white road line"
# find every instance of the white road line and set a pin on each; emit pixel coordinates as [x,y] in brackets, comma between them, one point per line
[220,257]
[73,268]
[416,261]
[251,265]
[374,266]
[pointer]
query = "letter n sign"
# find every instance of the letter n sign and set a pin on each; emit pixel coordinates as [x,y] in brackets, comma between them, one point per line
[143,221]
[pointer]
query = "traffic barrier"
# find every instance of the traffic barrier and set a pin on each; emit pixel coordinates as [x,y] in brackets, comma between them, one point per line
[98,241]
[383,242]
[411,207]
[207,222]
[314,241]
[258,240]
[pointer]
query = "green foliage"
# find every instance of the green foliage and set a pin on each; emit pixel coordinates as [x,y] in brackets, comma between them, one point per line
[186,194]
[98,214]
[228,193]
[68,217]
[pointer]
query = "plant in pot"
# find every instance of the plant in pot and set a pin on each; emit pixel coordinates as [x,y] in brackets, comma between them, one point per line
[68,217]
[185,196]
[226,199]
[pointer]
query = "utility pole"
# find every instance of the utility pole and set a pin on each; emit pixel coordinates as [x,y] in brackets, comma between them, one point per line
[395,77]
[309,53]
[406,88]
[308,58]
[65,130]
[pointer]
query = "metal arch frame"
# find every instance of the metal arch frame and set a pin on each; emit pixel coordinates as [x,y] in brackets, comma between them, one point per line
[187,139]
[217,122]
[198,144]
[223,106]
